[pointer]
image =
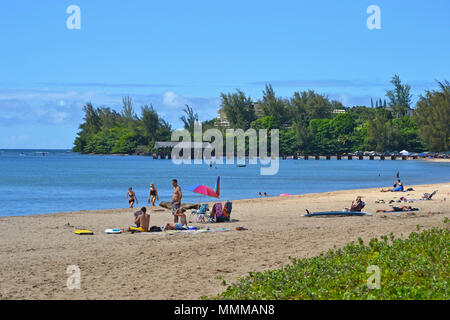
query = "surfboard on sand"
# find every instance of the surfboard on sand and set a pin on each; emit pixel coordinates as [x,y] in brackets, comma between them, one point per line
[336,213]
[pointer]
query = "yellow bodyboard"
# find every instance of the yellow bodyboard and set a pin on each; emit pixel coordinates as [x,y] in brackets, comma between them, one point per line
[83,232]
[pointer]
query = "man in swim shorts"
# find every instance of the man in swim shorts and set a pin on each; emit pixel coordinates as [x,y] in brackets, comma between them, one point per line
[142,221]
[138,213]
[176,199]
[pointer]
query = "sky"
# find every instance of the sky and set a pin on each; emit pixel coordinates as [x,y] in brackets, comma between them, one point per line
[173,53]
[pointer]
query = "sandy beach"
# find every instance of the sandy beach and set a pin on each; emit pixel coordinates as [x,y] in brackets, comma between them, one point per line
[35,251]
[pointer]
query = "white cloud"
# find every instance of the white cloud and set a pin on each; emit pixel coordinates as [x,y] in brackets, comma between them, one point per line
[173,100]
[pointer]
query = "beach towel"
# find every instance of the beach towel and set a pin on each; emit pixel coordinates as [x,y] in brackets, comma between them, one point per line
[217,213]
[227,211]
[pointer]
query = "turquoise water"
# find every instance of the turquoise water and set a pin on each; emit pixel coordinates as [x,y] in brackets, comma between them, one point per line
[33,183]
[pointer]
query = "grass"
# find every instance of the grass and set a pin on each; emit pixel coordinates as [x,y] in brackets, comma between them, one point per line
[414,268]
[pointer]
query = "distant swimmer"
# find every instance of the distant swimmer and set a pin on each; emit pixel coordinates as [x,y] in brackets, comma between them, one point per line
[398,174]
[131,197]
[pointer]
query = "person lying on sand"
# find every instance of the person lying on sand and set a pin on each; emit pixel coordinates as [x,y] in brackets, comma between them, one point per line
[396,209]
[182,225]
[357,205]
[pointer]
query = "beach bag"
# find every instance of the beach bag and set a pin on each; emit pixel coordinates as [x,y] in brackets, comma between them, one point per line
[218,212]
[155,229]
[227,211]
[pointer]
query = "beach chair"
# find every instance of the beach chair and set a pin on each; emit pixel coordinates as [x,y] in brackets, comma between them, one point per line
[200,215]
[428,196]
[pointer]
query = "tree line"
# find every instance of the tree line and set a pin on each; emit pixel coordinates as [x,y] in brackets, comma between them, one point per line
[309,123]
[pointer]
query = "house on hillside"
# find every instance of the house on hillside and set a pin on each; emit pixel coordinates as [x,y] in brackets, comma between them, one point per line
[221,120]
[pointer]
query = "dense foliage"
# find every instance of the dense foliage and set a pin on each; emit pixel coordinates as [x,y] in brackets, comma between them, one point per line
[106,131]
[309,123]
[414,268]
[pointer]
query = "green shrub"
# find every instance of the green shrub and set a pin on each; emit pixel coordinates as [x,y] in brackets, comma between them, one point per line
[415,268]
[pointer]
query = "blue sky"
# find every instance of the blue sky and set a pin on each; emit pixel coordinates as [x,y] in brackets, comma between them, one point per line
[169,53]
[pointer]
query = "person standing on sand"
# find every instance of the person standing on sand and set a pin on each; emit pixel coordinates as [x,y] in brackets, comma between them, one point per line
[176,199]
[153,194]
[131,197]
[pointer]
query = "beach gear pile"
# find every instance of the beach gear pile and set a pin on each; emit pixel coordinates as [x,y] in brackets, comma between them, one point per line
[218,213]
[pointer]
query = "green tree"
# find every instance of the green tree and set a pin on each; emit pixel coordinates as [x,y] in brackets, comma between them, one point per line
[275,107]
[150,123]
[238,109]
[432,114]
[189,119]
[399,97]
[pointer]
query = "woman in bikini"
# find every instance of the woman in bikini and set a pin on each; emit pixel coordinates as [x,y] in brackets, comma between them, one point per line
[153,194]
[182,225]
[131,197]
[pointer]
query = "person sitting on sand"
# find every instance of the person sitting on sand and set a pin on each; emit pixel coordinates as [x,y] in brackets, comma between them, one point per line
[182,225]
[398,186]
[141,220]
[357,205]
[137,214]
[131,197]
[396,209]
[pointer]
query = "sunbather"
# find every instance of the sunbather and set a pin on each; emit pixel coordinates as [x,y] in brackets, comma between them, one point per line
[396,209]
[357,205]
[398,186]
[182,225]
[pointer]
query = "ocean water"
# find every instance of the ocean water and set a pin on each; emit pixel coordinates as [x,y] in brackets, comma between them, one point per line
[58,180]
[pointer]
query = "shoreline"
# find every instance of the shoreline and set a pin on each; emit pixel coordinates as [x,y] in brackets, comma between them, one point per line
[114,210]
[36,250]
